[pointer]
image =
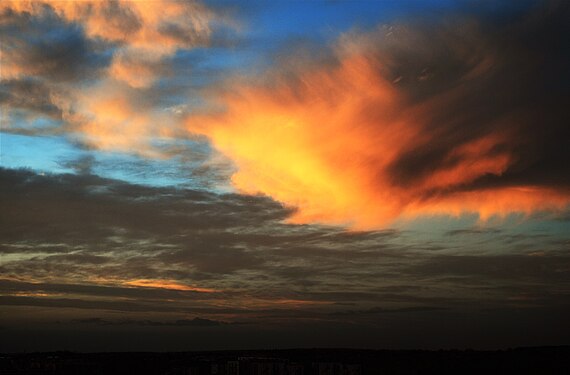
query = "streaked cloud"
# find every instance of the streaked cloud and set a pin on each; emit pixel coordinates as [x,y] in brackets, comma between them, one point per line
[405,121]
[166,284]
[85,253]
[183,250]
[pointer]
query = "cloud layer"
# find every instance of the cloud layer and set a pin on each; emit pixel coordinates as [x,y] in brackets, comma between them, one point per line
[81,255]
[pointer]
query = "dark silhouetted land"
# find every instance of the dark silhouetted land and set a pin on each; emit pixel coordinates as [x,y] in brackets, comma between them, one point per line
[538,360]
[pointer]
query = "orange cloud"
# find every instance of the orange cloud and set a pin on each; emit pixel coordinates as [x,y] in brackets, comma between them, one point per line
[113,117]
[146,31]
[167,284]
[329,143]
[112,108]
[394,125]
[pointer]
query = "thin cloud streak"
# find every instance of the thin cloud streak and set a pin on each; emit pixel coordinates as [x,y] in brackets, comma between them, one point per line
[167,284]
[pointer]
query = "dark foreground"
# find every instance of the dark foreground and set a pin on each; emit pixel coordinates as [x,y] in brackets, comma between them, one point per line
[541,360]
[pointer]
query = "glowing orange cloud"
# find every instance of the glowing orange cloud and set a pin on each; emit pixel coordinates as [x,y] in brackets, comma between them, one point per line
[326,142]
[109,117]
[111,114]
[167,284]
[141,28]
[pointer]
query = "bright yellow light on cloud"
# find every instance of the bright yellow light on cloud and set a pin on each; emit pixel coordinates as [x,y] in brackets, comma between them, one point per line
[326,142]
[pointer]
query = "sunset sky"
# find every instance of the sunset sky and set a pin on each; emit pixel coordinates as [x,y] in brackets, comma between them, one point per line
[179,175]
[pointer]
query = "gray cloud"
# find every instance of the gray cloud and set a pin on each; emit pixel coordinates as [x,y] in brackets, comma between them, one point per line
[81,238]
[524,268]
[81,165]
[30,95]
[79,225]
[49,49]
[473,231]
[380,310]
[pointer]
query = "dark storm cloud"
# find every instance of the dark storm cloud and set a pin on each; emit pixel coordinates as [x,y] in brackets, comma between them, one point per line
[95,207]
[503,73]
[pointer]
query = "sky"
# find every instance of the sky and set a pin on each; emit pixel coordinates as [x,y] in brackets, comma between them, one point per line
[203,175]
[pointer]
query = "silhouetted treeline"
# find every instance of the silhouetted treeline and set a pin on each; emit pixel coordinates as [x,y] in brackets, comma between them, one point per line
[541,360]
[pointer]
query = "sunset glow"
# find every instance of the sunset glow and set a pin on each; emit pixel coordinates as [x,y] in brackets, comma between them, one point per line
[167,284]
[324,144]
[194,175]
